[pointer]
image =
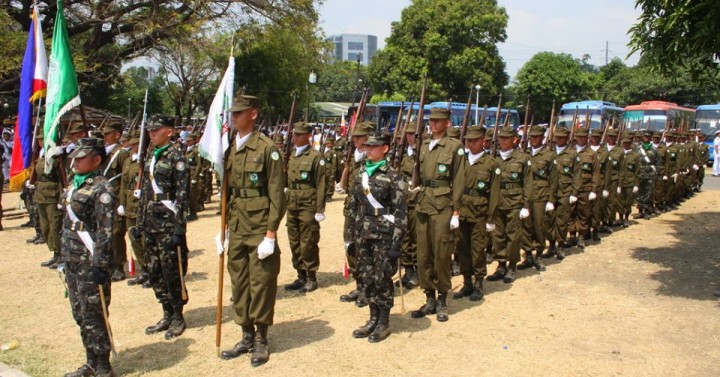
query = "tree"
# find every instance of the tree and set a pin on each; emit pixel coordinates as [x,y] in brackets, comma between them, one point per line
[454,42]
[548,76]
[338,81]
[678,32]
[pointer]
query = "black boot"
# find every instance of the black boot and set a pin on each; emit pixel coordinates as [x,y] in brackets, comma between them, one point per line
[352,295]
[362,300]
[442,309]
[298,283]
[87,369]
[466,290]
[243,346]
[177,323]
[499,273]
[310,283]
[103,366]
[428,308]
[596,236]
[52,261]
[162,324]
[367,329]
[140,278]
[581,243]
[539,265]
[39,240]
[261,351]
[119,274]
[551,251]
[478,292]
[560,252]
[382,330]
[510,274]
[411,275]
[528,262]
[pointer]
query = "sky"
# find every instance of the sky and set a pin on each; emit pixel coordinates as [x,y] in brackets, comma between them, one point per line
[576,27]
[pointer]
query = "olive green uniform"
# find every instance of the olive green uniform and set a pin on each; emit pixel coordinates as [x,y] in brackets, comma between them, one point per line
[589,166]
[46,196]
[566,164]
[542,191]
[615,156]
[629,181]
[128,183]
[409,244]
[112,170]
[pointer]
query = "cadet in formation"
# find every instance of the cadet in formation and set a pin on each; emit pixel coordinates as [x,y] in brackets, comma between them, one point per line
[46,190]
[129,208]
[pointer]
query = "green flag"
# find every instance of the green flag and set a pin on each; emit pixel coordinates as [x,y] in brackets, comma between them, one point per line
[62,88]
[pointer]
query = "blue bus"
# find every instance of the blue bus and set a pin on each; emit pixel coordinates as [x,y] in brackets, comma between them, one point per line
[457,112]
[707,120]
[382,112]
[601,112]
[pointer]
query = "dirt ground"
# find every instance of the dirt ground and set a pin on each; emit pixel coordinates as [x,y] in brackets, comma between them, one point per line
[638,304]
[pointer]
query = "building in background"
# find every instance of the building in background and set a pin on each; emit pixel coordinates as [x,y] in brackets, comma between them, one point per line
[349,46]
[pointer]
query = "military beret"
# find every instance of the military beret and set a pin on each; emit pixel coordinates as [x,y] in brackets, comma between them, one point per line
[301,128]
[507,131]
[582,131]
[596,132]
[242,103]
[439,113]
[453,132]
[363,129]
[475,133]
[75,128]
[536,131]
[87,145]
[376,140]
[562,132]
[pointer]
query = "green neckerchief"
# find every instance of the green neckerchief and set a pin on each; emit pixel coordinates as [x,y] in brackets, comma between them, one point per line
[158,151]
[647,146]
[79,179]
[370,167]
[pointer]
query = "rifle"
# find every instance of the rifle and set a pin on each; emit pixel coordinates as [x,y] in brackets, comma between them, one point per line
[466,117]
[527,126]
[493,145]
[398,155]
[571,140]
[394,143]
[35,148]
[142,149]
[419,131]
[134,121]
[482,118]
[608,125]
[349,146]
[287,147]
[551,128]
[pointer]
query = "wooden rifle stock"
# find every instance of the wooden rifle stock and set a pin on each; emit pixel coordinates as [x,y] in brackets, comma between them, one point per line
[526,125]
[397,158]
[466,117]
[349,146]
[571,140]
[419,131]
[287,147]
[551,127]
[493,145]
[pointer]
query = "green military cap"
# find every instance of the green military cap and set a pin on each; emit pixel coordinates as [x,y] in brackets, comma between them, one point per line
[475,133]
[489,134]
[363,129]
[279,138]
[627,138]
[582,132]
[375,140]
[612,132]
[75,128]
[112,127]
[410,128]
[242,103]
[453,132]
[507,131]
[161,121]
[125,137]
[536,131]
[135,137]
[596,132]
[657,134]
[192,136]
[301,128]
[329,141]
[40,135]
[562,132]
[439,113]
[648,133]
[87,145]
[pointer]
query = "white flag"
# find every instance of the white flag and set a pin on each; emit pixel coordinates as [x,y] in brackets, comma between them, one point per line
[214,141]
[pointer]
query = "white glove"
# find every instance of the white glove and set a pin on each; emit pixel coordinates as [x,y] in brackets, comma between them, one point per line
[193,181]
[592,196]
[415,189]
[573,199]
[339,189]
[58,151]
[665,177]
[319,217]
[347,246]
[674,177]
[136,194]
[647,159]
[524,213]
[605,193]
[29,185]
[454,222]
[695,167]
[635,189]
[653,168]
[266,248]
[549,207]
[121,210]
[489,227]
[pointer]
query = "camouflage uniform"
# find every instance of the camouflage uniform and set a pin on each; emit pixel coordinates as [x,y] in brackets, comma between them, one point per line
[331,162]
[196,167]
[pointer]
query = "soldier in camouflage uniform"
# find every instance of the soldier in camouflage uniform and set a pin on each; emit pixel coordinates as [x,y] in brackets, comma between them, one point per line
[86,253]
[377,227]
[647,174]
[196,166]
[47,189]
[305,207]
[34,221]
[408,259]
[628,182]
[658,192]
[128,208]
[162,224]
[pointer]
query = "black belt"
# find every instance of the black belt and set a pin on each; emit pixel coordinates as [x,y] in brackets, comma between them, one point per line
[372,211]
[163,196]
[300,186]
[248,192]
[77,226]
[510,186]
[435,183]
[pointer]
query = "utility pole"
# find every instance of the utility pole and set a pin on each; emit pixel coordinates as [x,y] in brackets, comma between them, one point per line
[607,50]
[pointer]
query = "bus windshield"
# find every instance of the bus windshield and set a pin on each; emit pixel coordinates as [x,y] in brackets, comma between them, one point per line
[638,119]
[566,117]
[708,121]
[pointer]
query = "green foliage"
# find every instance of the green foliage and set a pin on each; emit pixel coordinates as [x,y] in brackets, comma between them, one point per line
[395,97]
[338,82]
[132,84]
[454,42]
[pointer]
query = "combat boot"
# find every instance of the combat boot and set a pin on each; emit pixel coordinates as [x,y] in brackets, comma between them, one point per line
[478,292]
[32,239]
[87,369]
[362,300]
[243,346]
[139,279]
[177,324]
[539,265]
[261,351]
[596,236]
[467,288]
[52,261]
[573,241]
[310,283]
[560,252]
[299,282]
[551,251]
[382,330]
[442,308]
[162,324]
[581,243]
[428,308]
[499,273]
[412,278]
[352,295]
[528,262]
[118,274]
[510,274]
[103,366]
[367,329]
[39,240]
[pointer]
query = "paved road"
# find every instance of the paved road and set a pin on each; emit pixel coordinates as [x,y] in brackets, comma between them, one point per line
[711,183]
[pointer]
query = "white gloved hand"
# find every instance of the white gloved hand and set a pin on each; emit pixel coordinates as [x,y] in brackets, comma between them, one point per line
[29,185]
[347,246]
[339,189]
[653,168]
[121,210]
[193,181]
[605,193]
[592,196]
[415,189]
[319,217]
[647,159]
[58,151]
[635,189]
[674,177]
[665,177]
[524,213]
[695,167]
[549,207]
[454,222]
[489,227]
[136,194]
[619,190]
[573,199]
[266,248]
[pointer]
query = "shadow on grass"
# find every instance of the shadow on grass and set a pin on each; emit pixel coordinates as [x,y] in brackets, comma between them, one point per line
[152,357]
[201,317]
[285,336]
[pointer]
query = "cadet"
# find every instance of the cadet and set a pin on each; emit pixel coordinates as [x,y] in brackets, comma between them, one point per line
[47,189]
[658,194]
[703,152]
[87,255]
[331,161]
[256,182]
[509,205]
[197,166]
[615,156]
[161,223]
[568,186]
[378,227]
[599,209]
[409,246]
[646,173]
[671,169]
[112,170]
[589,166]
[442,184]
[628,183]
[128,207]
[305,207]
[473,215]
[542,197]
